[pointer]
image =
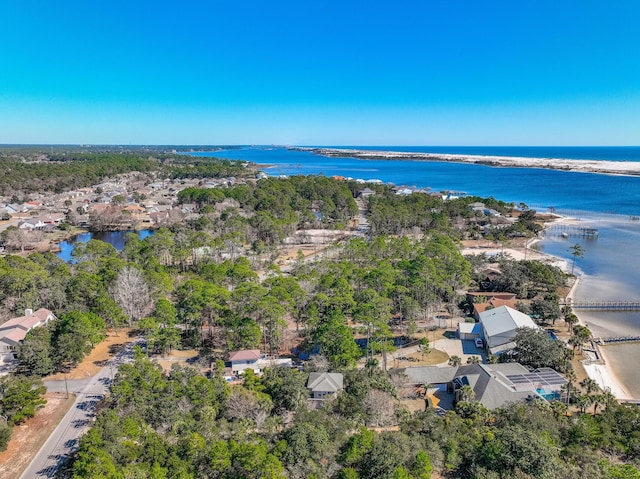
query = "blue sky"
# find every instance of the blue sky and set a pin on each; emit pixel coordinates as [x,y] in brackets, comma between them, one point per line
[327,72]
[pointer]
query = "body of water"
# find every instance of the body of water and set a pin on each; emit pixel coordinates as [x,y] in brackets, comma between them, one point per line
[610,269]
[114,238]
[568,192]
[611,153]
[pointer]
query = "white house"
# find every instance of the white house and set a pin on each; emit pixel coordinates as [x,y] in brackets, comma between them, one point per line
[33,224]
[241,360]
[499,327]
[13,332]
[251,359]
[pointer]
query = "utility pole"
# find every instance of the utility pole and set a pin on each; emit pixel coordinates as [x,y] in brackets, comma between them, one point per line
[66,387]
[384,355]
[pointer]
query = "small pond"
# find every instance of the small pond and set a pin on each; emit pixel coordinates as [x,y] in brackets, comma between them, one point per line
[114,238]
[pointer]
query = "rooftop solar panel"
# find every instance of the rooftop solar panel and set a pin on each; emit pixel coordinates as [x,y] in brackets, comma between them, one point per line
[542,376]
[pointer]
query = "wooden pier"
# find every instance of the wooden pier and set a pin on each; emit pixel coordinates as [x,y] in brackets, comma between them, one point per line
[573,230]
[617,340]
[604,305]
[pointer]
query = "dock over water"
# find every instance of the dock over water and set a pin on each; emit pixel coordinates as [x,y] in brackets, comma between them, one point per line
[617,340]
[604,305]
[573,230]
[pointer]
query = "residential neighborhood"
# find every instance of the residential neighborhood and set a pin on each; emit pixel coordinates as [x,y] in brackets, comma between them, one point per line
[262,312]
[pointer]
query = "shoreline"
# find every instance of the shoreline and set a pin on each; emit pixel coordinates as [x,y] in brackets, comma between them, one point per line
[605,376]
[602,373]
[527,250]
[621,168]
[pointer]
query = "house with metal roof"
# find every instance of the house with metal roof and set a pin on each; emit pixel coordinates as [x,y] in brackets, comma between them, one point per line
[499,327]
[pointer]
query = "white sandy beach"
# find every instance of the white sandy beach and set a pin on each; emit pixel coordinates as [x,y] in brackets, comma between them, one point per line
[606,378]
[587,166]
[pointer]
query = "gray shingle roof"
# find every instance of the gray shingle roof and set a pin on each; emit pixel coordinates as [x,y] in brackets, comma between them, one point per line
[325,382]
[490,384]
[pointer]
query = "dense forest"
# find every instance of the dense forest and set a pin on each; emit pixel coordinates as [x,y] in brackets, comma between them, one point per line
[24,172]
[213,283]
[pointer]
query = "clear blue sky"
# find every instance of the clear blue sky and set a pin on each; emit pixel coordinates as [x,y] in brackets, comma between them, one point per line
[323,72]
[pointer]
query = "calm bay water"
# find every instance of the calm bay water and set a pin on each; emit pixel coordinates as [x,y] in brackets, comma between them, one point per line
[610,269]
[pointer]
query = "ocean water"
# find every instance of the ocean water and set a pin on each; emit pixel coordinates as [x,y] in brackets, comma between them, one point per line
[571,193]
[611,153]
[610,269]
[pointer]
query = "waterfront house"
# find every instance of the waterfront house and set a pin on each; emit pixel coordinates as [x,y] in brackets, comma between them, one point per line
[499,327]
[482,301]
[493,385]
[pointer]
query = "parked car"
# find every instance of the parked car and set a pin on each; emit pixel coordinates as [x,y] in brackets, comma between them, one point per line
[479,343]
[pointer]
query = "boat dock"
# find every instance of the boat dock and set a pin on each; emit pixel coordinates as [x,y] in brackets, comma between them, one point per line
[604,305]
[573,230]
[617,340]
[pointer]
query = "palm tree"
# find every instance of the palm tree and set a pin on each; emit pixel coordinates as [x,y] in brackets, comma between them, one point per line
[576,251]
[608,398]
[598,400]
[583,402]
[466,394]
[570,320]
[474,360]
[581,334]
[568,389]
[558,408]
[590,385]
[455,361]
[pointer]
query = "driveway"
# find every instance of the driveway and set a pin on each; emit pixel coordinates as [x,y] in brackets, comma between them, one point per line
[463,349]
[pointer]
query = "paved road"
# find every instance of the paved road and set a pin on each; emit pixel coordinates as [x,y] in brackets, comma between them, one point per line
[64,439]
